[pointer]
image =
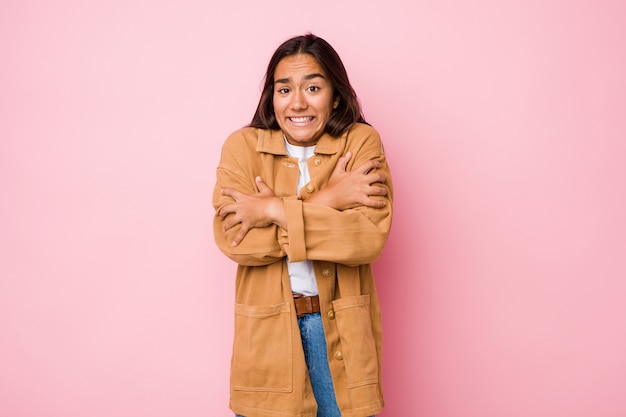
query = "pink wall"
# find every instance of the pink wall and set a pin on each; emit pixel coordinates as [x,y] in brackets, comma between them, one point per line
[504,278]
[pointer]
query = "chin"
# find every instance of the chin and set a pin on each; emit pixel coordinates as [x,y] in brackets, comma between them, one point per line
[302,138]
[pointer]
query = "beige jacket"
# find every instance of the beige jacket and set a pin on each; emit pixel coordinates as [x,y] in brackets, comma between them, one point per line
[268,371]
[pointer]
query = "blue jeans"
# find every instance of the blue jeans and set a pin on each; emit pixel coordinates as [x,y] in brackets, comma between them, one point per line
[314,345]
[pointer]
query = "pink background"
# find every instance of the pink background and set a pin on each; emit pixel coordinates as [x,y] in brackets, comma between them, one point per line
[503,284]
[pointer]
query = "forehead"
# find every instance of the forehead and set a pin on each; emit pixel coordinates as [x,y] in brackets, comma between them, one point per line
[297,66]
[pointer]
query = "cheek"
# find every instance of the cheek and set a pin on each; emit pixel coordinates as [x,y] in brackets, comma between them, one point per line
[279,107]
[329,110]
[330,105]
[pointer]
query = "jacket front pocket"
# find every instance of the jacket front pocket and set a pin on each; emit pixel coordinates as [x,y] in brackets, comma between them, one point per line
[262,350]
[357,341]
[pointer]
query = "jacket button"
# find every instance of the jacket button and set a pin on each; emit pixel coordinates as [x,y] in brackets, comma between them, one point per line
[331,314]
[327,272]
[310,188]
[317,161]
[339,356]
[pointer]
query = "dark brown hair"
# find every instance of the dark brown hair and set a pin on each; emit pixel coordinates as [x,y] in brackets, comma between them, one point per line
[348,110]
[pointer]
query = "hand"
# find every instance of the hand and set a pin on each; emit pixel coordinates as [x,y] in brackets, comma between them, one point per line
[260,209]
[349,189]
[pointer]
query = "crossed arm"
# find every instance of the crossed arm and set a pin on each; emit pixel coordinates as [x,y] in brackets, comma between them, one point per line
[345,190]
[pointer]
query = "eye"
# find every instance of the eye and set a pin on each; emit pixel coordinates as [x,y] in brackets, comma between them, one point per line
[283,90]
[313,88]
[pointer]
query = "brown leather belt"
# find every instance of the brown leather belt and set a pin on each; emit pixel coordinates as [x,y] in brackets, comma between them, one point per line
[306,305]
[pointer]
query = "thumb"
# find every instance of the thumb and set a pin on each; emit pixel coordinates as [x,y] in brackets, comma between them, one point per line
[343,162]
[261,185]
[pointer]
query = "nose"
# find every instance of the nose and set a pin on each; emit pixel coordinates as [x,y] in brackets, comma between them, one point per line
[298,101]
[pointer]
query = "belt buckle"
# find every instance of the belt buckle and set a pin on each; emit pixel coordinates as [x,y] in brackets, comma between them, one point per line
[303,305]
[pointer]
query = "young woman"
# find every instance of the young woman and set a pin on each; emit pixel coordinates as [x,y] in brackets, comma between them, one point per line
[303,205]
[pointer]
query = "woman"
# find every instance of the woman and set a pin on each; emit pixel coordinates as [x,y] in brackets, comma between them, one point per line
[303,205]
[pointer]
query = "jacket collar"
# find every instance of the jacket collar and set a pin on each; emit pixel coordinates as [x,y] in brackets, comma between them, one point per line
[272,141]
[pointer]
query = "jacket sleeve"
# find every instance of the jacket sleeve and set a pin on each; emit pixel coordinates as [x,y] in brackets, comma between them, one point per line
[351,237]
[260,246]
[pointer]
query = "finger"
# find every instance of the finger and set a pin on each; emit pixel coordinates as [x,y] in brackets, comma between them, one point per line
[377,190]
[230,223]
[242,233]
[368,166]
[262,186]
[370,202]
[226,210]
[376,177]
[342,163]
[232,193]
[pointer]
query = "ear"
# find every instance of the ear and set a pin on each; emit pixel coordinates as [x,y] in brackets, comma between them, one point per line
[336,102]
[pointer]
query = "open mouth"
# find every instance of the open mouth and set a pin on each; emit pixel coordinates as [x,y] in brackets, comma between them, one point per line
[304,119]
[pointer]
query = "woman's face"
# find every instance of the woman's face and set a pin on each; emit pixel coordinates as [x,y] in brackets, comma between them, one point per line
[303,99]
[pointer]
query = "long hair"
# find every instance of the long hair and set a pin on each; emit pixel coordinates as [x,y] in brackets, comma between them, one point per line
[348,110]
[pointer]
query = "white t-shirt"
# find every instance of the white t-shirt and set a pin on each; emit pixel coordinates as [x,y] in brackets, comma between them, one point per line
[301,274]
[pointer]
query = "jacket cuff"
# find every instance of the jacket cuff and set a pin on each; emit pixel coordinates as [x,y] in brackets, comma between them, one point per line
[293,241]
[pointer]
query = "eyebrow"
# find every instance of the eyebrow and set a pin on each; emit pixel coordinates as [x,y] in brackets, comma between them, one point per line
[306,77]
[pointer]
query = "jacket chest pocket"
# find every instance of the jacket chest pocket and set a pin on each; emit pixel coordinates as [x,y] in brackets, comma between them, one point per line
[262,350]
[284,177]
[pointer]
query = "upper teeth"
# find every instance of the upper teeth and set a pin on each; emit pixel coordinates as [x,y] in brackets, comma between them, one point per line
[300,119]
